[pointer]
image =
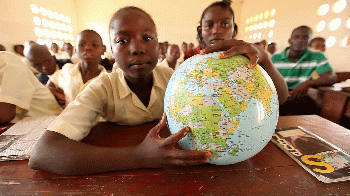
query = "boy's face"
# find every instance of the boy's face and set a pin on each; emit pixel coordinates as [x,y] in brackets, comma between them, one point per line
[69,49]
[162,50]
[89,47]
[318,45]
[173,52]
[217,25]
[54,47]
[43,61]
[134,44]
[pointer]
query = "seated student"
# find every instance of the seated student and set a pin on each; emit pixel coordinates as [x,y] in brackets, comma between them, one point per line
[217,30]
[67,50]
[272,48]
[41,59]
[55,50]
[172,57]
[318,44]
[190,51]
[296,63]
[26,61]
[162,52]
[73,78]
[19,49]
[2,47]
[131,95]
[21,94]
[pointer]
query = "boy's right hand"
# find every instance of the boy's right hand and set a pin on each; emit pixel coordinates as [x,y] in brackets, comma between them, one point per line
[157,152]
[59,95]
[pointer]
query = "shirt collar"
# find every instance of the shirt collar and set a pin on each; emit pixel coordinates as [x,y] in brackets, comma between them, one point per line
[284,54]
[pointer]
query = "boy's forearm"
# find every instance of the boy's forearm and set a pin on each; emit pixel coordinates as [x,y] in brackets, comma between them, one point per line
[69,157]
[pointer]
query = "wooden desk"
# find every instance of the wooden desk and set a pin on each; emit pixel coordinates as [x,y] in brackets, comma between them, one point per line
[270,172]
[334,103]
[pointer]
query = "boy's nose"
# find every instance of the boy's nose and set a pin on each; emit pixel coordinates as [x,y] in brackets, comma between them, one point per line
[137,47]
[217,29]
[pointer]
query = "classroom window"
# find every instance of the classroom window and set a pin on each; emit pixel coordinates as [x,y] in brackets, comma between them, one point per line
[332,22]
[51,27]
[260,25]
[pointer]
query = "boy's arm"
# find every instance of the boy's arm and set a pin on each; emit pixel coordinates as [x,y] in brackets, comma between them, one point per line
[59,154]
[7,112]
[257,55]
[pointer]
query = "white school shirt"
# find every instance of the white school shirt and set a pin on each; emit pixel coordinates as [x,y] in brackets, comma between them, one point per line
[109,96]
[20,87]
[70,80]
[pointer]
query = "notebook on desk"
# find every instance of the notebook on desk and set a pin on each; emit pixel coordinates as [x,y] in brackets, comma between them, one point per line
[324,160]
[18,141]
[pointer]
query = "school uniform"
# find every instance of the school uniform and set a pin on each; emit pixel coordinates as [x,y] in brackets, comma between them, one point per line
[109,96]
[165,63]
[20,87]
[70,80]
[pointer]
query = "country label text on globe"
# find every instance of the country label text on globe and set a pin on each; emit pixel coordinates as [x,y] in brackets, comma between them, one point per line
[232,110]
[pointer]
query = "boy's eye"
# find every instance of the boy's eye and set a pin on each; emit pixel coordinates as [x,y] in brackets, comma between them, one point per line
[148,38]
[82,44]
[121,41]
[225,24]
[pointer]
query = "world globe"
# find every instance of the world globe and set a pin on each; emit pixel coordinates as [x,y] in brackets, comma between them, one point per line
[232,111]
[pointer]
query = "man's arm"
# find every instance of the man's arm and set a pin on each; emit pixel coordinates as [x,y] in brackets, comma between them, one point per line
[326,78]
[7,112]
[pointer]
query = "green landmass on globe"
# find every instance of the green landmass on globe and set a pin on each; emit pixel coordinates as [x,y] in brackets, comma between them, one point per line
[210,94]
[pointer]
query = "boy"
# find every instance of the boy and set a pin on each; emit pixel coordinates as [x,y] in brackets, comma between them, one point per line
[172,56]
[21,94]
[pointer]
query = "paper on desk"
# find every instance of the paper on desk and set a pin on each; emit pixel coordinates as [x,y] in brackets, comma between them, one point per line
[18,141]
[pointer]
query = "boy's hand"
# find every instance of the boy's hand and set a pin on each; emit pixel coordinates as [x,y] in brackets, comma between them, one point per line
[256,54]
[160,152]
[59,95]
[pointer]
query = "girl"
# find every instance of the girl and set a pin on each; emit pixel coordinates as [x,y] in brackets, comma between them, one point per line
[136,88]
[217,31]
[68,82]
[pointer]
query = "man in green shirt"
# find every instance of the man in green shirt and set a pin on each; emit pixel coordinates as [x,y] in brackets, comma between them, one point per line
[296,63]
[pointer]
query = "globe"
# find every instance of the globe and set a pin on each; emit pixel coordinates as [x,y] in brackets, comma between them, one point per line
[231,110]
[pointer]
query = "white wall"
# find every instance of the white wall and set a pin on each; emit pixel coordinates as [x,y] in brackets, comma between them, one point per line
[16,19]
[291,14]
[176,20]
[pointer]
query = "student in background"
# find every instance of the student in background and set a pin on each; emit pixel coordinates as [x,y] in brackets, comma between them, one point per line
[296,63]
[55,50]
[162,52]
[130,95]
[26,61]
[272,48]
[184,50]
[41,59]
[190,51]
[172,57]
[2,47]
[67,50]
[19,49]
[73,78]
[21,94]
[318,44]
[217,29]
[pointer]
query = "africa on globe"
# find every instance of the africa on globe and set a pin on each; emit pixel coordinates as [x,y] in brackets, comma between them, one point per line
[232,110]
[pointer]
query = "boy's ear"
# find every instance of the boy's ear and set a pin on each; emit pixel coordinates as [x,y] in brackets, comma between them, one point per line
[289,40]
[104,48]
[54,58]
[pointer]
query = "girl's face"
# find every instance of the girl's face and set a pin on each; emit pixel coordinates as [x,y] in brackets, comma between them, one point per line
[89,47]
[134,44]
[217,25]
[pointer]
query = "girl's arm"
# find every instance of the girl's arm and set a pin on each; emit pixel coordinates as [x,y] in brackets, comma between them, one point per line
[59,154]
[257,55]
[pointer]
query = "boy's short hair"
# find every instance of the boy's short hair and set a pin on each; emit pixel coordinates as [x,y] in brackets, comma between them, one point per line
[90,31]
[316,39]
[126,9]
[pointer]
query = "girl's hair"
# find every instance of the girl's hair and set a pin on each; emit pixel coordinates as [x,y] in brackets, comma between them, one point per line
[127,9]
[225,4]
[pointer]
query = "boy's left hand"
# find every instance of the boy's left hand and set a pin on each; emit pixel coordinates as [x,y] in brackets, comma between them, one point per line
[232,47]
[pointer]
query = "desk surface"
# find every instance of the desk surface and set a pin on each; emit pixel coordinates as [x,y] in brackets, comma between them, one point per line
[270,172]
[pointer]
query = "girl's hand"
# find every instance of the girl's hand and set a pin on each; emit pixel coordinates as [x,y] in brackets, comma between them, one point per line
[160,152]
[256,54]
